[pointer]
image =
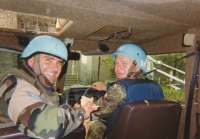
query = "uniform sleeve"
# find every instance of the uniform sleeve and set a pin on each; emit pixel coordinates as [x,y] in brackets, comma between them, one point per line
[35,118]
[116,95]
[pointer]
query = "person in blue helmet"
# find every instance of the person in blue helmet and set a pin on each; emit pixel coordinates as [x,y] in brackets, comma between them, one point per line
[131,86]
[29,95]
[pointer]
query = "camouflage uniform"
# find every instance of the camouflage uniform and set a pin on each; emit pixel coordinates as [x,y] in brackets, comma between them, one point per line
[37,114]
[115,95]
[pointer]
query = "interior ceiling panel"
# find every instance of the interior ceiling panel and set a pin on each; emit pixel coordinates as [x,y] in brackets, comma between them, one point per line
[91,20]
[106,31]
[183,11]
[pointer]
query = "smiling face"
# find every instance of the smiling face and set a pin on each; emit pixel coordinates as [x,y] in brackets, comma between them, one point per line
[50,66]
[122,66]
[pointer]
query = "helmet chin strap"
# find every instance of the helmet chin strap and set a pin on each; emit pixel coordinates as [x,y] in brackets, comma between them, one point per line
[37,64]
[131,72]
[42,78]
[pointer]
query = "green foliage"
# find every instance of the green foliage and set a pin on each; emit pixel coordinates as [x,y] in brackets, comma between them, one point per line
[170,58]
[169,93]
[178,95]
[108,61]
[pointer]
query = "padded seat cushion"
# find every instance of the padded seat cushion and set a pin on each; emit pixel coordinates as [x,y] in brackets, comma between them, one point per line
[156,119]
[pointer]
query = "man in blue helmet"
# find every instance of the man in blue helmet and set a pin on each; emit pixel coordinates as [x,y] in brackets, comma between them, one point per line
[29,95]
[131,86]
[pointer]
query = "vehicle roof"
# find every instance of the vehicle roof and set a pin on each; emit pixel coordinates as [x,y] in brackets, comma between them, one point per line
[157,25]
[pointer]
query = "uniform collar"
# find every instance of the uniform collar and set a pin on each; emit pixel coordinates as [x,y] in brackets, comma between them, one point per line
[51,89]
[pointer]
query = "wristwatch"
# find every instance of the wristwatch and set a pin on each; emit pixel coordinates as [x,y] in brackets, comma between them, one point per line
[82,116]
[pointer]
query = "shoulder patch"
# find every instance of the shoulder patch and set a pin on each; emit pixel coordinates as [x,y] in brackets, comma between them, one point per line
[34,95]
[115,85]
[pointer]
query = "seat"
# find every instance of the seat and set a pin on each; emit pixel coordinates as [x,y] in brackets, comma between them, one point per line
[155,119]
[14,133]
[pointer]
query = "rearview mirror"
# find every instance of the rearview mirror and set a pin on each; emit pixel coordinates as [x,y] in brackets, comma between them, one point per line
[74,56]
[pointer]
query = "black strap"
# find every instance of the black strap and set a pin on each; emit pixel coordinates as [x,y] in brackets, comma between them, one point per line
[190,95]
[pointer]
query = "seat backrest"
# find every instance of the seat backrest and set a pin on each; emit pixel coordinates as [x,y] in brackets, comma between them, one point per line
[155,119]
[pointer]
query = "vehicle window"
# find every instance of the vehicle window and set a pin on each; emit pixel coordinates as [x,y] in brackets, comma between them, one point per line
[170,75]
[89,69]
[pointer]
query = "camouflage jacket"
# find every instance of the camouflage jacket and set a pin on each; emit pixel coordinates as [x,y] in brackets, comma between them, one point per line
[37,115]
[116,96]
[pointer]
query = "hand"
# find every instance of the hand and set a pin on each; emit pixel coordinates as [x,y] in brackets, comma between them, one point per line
[86,104]
[88,107]
[76,105]
[99,86]
[85,100]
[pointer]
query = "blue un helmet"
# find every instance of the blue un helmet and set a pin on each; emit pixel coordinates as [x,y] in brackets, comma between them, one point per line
[46,44]
[134,52]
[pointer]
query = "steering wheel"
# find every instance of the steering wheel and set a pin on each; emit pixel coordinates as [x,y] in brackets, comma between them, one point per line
[86,92]
[89,96]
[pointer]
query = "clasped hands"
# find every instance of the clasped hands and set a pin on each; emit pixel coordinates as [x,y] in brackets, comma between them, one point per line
[88,105]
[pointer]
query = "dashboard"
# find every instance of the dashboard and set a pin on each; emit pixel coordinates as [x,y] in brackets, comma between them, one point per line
[73,94]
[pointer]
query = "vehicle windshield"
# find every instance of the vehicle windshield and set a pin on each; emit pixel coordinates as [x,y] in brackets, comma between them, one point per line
[168,72]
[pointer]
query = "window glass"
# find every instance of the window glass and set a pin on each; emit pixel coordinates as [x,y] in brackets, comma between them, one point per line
[168,72]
